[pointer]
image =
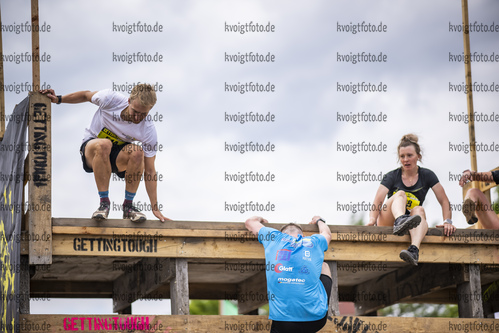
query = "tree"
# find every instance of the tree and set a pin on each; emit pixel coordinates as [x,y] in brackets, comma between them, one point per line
[203,307]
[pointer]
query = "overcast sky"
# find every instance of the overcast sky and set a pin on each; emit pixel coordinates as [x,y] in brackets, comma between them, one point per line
[306,43]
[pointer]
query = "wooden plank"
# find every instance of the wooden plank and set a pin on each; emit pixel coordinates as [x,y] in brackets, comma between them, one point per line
[470,294]
[179,288]
[218,324]
[252,293]
[334,303]
[469,83]
[168,247]
[40,170]
[429,253]
[71,289]
[237,232]
[143,279]
[96,289]
[35,44]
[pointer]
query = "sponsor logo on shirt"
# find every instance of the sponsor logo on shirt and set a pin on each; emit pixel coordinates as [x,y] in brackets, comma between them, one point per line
[290,280]
[306,256]
[304,270]
[283,255]
[279,268]
[307,242]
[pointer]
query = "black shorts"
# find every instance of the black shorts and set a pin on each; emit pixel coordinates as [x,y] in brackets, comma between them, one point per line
[305,326]
[115,150]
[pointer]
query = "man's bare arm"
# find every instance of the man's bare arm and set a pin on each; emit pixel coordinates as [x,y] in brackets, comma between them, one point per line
[151,183]
[72,98]
[254,224]
[476,176]
[323,228]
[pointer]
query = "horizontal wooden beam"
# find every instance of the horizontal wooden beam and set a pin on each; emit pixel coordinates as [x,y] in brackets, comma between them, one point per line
[236,231]
[219,323]
[223,248]
[93,289]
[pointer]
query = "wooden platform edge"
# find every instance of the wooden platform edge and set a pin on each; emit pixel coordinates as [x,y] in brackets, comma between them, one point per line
[237,231]
[244,323]
[222,248]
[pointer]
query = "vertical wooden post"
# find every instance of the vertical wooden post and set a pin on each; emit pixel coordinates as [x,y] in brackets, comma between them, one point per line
[40,159]
[469,294]
[469,95]
[2,90]
[334,304]
[35,44]
[469,84]
[127,310]
[24,290]
[179,288]
[40,183]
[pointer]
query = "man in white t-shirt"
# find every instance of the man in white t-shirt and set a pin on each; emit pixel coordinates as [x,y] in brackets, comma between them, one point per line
[108,145]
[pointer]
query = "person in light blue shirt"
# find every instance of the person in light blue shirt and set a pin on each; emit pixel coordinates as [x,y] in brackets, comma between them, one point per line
[298,281]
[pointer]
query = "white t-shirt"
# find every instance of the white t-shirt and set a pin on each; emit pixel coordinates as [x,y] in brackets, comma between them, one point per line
[107,123]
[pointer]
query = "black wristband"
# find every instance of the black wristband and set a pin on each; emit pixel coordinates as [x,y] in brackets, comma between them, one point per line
[321,220]
[59,99]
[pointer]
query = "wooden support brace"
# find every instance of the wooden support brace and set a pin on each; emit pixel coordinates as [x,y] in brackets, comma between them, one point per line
[179,288]
[469,294]
[252,293]
[142,279]
[334,302]
[404,284]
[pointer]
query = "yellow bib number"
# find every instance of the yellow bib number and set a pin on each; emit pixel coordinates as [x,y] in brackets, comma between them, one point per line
[412,201]
[105,133]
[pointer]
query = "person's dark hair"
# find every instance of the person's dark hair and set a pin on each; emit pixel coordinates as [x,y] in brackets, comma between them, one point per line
[408,140]
[291,225]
